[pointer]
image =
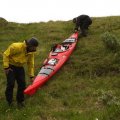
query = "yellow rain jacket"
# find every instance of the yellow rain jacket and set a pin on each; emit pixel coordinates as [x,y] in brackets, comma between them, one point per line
[17,55]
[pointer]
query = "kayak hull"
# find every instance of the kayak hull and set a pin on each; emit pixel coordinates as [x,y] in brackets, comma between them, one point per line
[53,63]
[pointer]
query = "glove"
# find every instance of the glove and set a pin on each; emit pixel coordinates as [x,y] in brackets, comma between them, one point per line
[75,31]
[31,79]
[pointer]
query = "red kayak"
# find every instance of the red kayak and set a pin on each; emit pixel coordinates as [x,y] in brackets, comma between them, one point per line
[56,58]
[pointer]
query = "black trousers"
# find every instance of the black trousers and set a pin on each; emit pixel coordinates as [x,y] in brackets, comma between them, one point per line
[17,74]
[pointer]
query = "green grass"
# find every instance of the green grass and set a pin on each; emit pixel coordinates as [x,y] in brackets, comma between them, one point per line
[86,88]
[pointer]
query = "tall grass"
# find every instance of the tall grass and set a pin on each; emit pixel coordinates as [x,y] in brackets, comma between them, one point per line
[86,87]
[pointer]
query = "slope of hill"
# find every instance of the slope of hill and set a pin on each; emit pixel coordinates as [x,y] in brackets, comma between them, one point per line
[88,85]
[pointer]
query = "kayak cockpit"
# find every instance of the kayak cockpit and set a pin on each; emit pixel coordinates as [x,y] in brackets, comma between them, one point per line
[64,46]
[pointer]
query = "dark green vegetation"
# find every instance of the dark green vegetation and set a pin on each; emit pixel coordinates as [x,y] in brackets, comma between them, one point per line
[86,88]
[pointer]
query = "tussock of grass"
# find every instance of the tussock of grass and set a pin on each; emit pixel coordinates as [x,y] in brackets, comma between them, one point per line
[111,42]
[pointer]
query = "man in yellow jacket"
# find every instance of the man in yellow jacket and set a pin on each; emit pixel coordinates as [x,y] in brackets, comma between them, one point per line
[14,58]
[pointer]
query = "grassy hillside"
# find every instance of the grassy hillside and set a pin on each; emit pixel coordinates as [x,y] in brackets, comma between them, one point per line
[88,85]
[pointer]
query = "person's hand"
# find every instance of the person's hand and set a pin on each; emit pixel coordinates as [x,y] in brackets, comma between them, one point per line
[75,31]
[7,70]
[31,79]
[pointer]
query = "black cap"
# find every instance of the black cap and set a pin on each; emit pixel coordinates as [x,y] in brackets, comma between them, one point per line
[33,42]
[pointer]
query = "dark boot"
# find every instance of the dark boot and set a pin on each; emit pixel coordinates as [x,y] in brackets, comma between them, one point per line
[10,104]
[20,105]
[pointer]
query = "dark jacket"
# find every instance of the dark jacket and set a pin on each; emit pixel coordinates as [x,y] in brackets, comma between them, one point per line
[82,21]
